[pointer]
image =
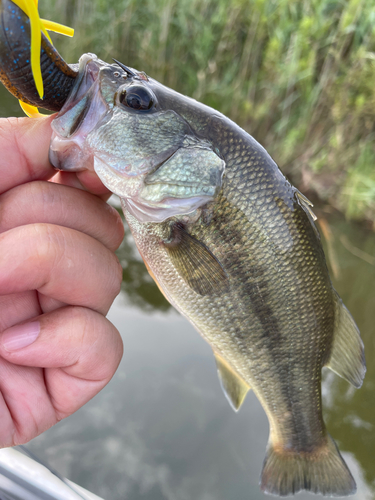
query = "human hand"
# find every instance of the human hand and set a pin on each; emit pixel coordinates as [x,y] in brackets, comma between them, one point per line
[58,277]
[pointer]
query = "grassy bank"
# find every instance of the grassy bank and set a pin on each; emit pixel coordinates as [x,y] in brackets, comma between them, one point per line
[298,75]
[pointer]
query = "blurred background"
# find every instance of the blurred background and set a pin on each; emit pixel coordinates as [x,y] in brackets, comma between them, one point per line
[298,76]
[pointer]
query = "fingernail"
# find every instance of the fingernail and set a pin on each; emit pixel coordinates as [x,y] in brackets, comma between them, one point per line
[20,336]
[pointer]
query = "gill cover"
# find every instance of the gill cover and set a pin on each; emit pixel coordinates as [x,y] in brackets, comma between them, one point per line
[15,62]
[149,155]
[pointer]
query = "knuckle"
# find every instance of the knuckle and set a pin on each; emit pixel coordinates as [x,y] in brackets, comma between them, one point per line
[110,228]
[21,204]
[118,230]
[48,243]
[99,345]
[12,133]
[117,277]
[39,193]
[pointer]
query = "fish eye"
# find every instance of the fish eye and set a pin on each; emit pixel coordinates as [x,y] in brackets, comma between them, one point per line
[136,97]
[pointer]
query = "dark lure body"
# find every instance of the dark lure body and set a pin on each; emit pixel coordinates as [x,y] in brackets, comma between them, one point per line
[15,66]
[232,245]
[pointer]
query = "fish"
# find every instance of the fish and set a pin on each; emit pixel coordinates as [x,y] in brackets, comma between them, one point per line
[231,244]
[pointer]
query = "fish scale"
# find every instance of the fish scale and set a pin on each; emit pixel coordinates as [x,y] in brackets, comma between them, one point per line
[199,307]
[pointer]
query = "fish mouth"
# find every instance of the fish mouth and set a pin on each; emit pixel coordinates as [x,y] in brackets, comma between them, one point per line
[88,72]
[81,113]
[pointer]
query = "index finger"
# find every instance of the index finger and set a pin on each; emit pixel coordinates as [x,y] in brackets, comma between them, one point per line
[24,145]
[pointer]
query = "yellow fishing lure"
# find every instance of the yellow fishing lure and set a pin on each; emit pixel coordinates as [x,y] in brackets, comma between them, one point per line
[38,26]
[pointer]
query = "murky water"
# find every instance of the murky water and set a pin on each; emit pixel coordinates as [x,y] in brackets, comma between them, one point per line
[162,429]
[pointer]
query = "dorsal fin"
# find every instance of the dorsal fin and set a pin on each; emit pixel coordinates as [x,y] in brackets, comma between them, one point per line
[194,262]
[347,357]
[306,205]
[234,386]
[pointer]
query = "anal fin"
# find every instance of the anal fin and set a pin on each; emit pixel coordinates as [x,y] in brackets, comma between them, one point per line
[347,357]
[234,386]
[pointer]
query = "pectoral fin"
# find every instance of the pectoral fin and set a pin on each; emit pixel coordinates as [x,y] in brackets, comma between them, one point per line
[194,262]
[347,357]
[234,387]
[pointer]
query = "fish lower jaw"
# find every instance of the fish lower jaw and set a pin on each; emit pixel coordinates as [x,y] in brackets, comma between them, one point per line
[68,155]
[128,188]
[120,183]
[168,207]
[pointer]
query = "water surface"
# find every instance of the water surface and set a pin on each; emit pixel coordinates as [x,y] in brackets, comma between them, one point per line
[162,429]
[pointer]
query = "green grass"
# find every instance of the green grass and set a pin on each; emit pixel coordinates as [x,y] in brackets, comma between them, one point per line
[298,75]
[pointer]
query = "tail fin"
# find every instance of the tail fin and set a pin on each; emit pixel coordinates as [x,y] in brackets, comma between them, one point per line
[323,472]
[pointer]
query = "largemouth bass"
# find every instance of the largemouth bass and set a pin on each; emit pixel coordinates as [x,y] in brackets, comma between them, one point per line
[231,244]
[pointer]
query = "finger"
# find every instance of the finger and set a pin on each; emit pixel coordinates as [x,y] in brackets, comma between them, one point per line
[16,308]
[24,145]
[80,351]
[56,261]
[42,201]
[86,180]
[21,418]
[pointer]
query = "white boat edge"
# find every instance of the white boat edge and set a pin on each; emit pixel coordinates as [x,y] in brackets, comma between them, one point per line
[23,474]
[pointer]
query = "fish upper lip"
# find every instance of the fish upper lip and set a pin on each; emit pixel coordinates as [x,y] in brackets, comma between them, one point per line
[88,72]
[85,91]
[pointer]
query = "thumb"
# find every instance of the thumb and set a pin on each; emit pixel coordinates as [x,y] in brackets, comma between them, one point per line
[24,145]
